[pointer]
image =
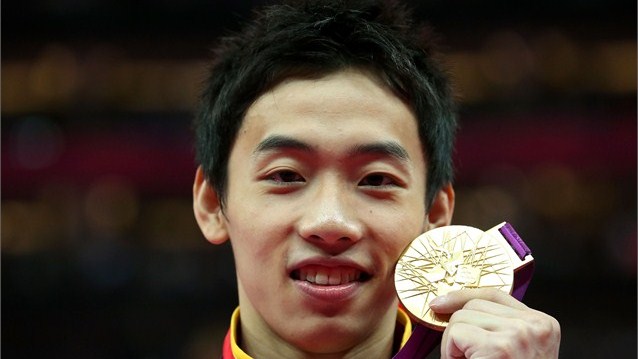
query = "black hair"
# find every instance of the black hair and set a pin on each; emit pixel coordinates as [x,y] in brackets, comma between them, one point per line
[311,39]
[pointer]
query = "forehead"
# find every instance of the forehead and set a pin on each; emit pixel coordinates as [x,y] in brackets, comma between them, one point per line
[351,82]
[348,94]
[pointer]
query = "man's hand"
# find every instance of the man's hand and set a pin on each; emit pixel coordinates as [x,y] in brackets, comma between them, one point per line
[489,323]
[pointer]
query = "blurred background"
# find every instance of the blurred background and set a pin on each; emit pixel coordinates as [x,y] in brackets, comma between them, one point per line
[101,256]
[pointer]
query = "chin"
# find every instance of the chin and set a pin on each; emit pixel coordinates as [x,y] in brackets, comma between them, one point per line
[329,340]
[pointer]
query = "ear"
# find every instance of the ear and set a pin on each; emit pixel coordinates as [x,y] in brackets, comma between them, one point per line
[208,212]
[442,208]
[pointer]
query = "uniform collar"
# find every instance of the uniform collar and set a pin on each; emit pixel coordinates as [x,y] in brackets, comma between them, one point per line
[231,349]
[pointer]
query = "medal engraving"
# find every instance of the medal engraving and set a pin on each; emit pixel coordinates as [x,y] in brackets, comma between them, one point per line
[446,259]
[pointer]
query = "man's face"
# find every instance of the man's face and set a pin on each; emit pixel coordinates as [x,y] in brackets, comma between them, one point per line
[326,186]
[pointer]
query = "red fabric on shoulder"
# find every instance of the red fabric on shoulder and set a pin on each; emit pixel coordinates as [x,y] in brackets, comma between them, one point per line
[227,351]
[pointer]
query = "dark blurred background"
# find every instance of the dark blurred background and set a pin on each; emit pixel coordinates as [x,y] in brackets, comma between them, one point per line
[101,256]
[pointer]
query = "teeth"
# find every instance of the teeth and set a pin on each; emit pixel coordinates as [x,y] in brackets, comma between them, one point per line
[311,274]
[334,278]
[329,276]
[321,278]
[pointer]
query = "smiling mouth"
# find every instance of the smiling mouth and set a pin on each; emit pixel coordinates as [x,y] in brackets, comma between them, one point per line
[325,276]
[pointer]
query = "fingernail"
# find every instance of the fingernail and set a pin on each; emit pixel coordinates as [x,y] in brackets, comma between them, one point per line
[439,301]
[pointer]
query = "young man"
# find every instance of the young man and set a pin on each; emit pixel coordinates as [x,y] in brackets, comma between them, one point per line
[324,140]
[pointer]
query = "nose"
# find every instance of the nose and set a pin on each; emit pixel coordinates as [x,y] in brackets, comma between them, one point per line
[330,218]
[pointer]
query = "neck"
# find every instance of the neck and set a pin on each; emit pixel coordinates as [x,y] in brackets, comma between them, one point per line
[377,343]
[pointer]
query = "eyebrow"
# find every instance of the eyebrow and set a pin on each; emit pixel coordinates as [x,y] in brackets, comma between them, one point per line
[385,148]
[278,142]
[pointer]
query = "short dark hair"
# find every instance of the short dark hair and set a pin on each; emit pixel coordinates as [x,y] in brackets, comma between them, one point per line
[311,39]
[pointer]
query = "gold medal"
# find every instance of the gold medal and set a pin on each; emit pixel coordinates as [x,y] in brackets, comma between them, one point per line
[451,258]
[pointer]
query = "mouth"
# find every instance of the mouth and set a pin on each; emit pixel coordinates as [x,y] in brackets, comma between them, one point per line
[329,276]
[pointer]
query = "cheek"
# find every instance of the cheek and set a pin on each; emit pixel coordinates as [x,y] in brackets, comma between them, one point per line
[398,228]
[256,263]
[258,238]
[253,244]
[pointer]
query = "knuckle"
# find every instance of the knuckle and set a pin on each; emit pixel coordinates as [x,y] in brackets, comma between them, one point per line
[506,348]
[474,304]
[456,317]
[549,331]
[515,342]
[521,331]
[537,333]
[545,328]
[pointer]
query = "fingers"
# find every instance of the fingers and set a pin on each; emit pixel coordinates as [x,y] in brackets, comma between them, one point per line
[481,319]
[457,342]
[505,338]
[491,324]
[464,340]
[456,300]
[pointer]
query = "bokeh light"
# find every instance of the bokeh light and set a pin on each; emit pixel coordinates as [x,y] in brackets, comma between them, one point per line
[101,254]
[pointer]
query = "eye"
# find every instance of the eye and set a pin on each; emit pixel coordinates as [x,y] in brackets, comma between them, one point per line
[286,176]
[377,180]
